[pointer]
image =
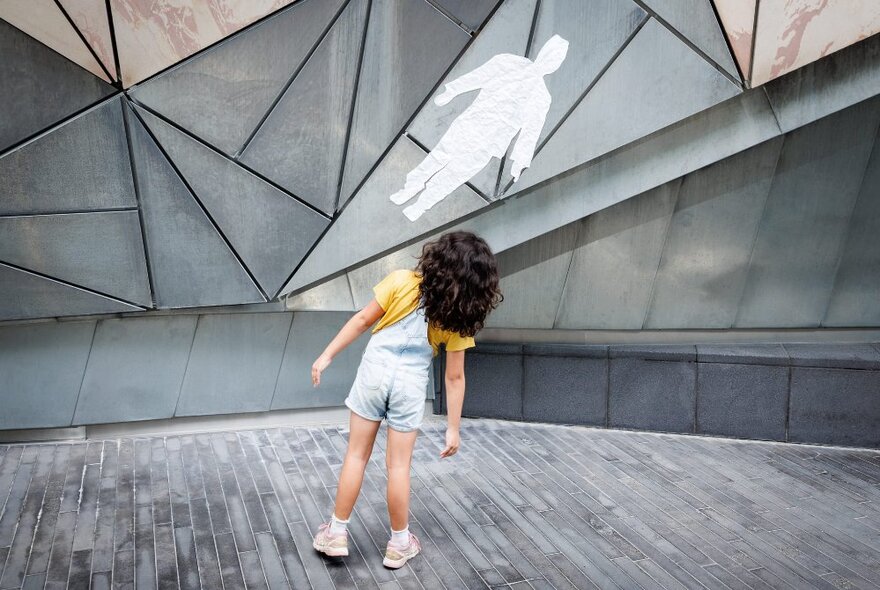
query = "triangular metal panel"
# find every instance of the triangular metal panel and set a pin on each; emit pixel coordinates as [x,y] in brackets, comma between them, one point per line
[656,81]
[506,32]
[470,13]
[81,165]
[408,47]
[269,229]
[40,87]
[151,36]
[42,20]
[221,95]
[696,21]
[738,21]
[302,143]
[791,34]
[595,32]
[92,20]
[372,224]
[24,295]
[103,252]
[191,264]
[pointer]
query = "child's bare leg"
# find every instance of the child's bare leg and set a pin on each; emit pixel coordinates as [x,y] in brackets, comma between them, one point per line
[398,459]
[361,437]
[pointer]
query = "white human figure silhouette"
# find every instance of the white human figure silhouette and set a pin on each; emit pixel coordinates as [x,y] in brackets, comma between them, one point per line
[513,100]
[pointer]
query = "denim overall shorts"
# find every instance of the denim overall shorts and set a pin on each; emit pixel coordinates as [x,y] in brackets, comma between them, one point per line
[392,379]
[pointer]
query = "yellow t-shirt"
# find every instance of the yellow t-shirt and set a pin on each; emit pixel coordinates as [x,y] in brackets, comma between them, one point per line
[398,295]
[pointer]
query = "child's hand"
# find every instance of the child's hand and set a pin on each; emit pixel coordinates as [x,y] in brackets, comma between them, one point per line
[453,441]
[318,366]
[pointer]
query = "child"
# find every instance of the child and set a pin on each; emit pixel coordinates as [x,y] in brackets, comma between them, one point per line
[445,300]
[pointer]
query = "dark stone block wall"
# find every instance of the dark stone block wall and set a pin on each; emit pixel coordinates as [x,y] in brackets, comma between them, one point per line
[812,393]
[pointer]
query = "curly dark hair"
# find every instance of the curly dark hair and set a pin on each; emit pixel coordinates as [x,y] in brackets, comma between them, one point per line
[459,285]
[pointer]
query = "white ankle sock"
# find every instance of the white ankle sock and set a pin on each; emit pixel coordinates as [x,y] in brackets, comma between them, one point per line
[337,527]
[400,537]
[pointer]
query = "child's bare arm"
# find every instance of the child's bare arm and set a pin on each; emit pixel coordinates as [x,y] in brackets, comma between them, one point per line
[454,400]
[357,325]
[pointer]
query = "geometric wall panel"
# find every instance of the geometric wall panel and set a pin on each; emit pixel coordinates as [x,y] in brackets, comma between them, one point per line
[302,143]
[738,19]
[151,36]
[81,165]
[697,22]
[99,251]
[408,47]
[191,264]
[705,257]
[803,228]
[696,142]
[355,236]
[823,87]
[135,369]
[24,295]
[855,300]
[42,366]
[234,363]
[595,31]
[471,13]
[793,34]
[90,17]
[39,86]
[309,335]
[657,80]
[609,284]
[270,230]
[221,94]
[334,295]
[44,21]
[543,261]
[506,32]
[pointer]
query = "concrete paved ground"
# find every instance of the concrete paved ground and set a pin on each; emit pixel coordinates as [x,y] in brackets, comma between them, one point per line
[522,505]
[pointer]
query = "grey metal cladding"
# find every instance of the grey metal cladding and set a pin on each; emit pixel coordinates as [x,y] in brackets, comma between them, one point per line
[803,228]
[42,367]
[25,295]
[705,259]
[697,22]
[506,32]
[309,335]
[532,279]
[333,295]
[191,264]
[222,94]
[595,30]
[302,143]
[363,278]
[102,251]
[825,86]
[470,13]
[135,369]
[408,47]
[614,264]
[81,165]
[234,363]
[40,87]
[372,224]
[269,229]
[657,80]
[856,292]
